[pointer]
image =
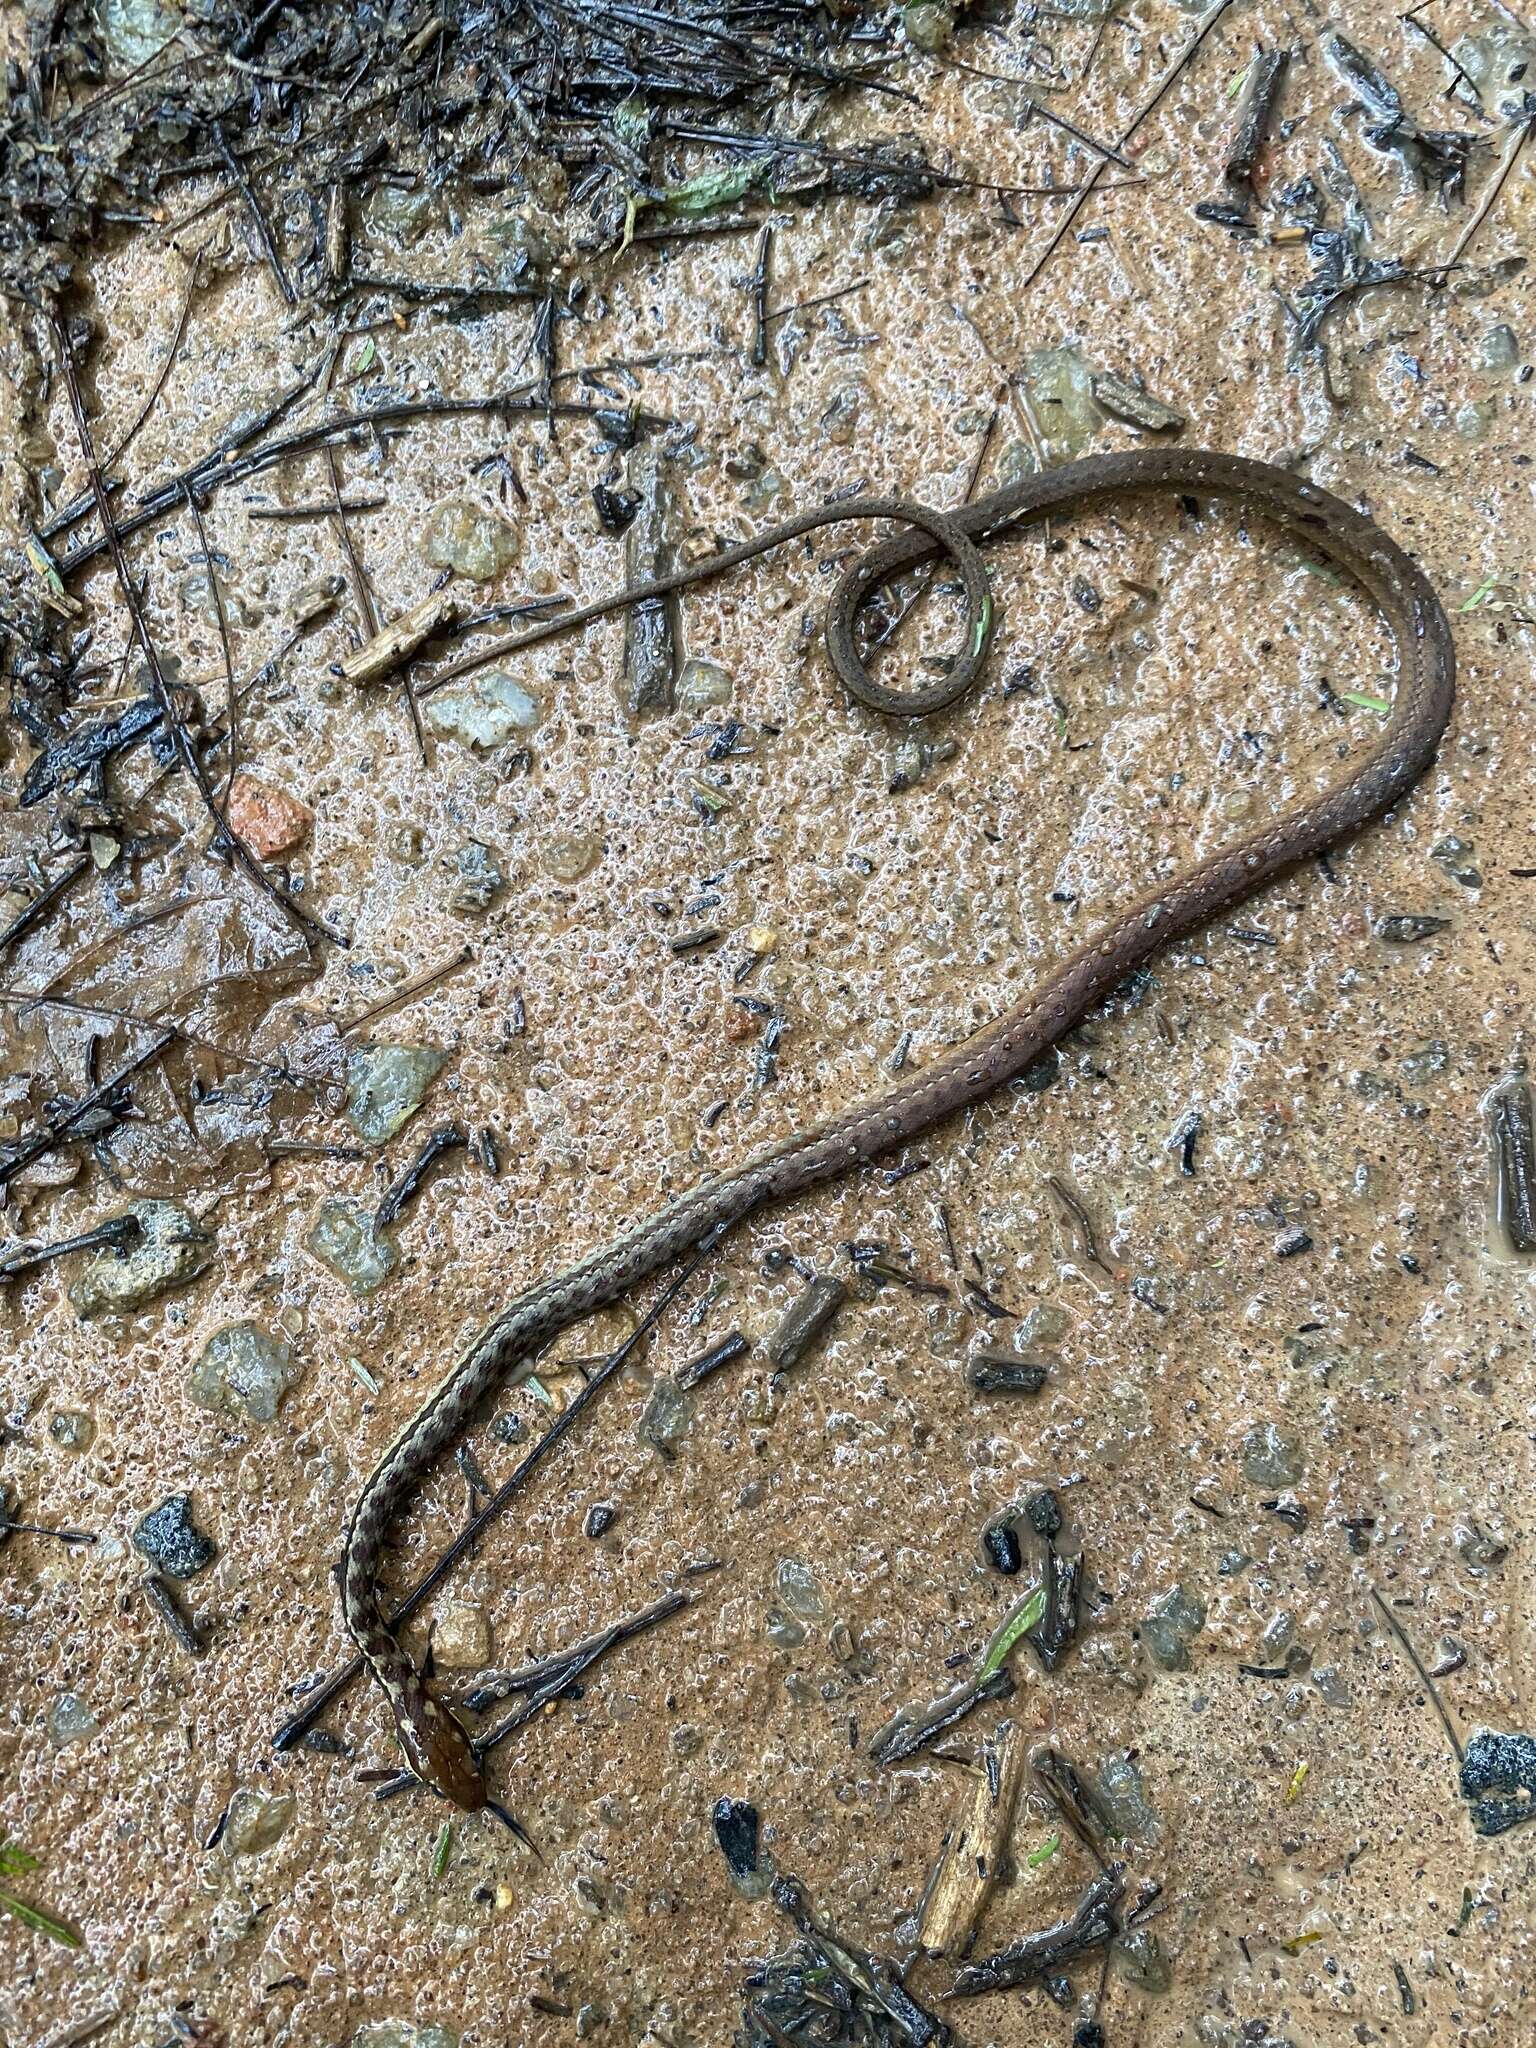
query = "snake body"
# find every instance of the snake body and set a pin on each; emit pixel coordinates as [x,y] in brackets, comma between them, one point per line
[435,1744]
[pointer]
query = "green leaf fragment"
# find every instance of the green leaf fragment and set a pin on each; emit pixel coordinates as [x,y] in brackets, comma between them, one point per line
[983,626]
[1366,702]
[39,1921]
[1044,1853]
[442,1851]
[704,194]
[15,1862]
[1481,595]
[1019,1620]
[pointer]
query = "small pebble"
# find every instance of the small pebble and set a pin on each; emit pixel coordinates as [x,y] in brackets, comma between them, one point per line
[343,1237]
[461,1637]
[1408,929]
[72,1429]
[171,1249]
[601,1517]
[1272,1456]
[567,856]
[256,1820]
[242,1370]
[385,1087]
[70,1720]
[1172,1623]
[665,1417]
[484,713]
[702,685]
[797,1588]
[1138,1960]
[267,819]
[403,213]
[1123,1797]
[481,880]
[467,538]
[170,1538]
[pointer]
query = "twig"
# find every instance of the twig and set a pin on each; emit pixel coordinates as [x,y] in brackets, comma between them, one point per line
[1490,198]
[215,473]
[564,1673]
[407,990]
[1414,1659]
[1169,78]
[231,707]
[760,297]
[225,836]
[253,207]
[21,1153]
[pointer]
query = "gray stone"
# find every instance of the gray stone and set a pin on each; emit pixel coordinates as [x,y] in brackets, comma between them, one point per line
[481,880]
[1139,1961]
[567,856]
[1272,1455]
[385,1087]
[72,1429]
[342,1237]
[1124,1801]
[171,1249]
[402,213]
[70,1720]
[170,1539]
[702,685]
[242,1370]
[1332,1685]
[1173,1621]
[665,1417]
[135,30]
[796,1585]
[783,1631]
[1060,386]
[1501,348]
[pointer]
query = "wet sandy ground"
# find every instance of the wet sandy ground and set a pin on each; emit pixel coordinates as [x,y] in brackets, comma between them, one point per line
[1339,1082]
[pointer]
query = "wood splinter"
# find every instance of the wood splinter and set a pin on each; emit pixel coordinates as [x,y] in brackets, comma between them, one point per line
[975,1852]
[401,638]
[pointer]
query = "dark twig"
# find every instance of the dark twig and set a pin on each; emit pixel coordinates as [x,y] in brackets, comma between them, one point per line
[21,1152]
[447,1138]
[760,296]
[418,985]
[213,472]
[116,1234]
[566,1671]
[1093,1922]
[231,700]
[253,206]
[1149,107]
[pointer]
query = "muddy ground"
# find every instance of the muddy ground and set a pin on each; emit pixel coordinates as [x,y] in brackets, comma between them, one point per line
[1285,1382]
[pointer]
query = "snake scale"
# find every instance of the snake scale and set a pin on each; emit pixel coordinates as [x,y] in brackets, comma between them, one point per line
[436,1746]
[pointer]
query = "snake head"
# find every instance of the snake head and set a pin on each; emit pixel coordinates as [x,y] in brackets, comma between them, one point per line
[438,1750]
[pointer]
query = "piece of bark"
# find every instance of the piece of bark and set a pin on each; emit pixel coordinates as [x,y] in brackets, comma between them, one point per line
[650,637]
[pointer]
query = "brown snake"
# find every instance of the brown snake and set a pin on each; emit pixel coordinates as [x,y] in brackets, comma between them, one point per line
[436,1746]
